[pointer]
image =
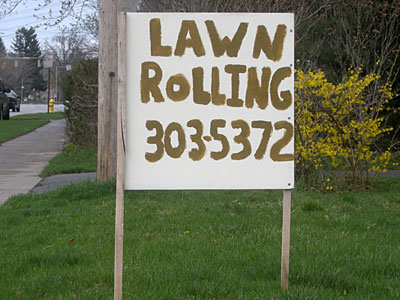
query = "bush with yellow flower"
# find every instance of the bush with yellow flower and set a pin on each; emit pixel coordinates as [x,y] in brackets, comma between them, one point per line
[337,127]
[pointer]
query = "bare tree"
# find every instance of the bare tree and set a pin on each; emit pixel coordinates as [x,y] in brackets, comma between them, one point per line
[15,73]
[67,48]
[7,7]
[366,34]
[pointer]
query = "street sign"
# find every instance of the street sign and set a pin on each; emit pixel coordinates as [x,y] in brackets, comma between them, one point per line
[48,61]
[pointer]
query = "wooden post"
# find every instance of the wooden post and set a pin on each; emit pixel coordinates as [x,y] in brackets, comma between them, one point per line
[287,194]
[119,205]
[107,99]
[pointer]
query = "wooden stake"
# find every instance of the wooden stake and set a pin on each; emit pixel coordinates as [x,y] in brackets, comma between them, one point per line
[287,194]
[120,188]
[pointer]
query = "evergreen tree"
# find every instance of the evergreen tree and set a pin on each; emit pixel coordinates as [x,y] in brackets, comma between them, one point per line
[2,48]
[25,44]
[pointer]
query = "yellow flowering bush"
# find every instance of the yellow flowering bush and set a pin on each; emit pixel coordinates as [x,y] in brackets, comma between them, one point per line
[337,127]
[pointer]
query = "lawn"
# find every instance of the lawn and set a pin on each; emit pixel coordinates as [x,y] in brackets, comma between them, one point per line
[201,244]
[23,124]
[40,116]
[15,128]
[76,160]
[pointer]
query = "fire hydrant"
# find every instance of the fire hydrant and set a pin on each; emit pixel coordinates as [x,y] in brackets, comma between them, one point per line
[51,106]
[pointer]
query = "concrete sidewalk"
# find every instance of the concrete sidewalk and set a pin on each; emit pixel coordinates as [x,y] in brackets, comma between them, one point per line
[57,181]
[23,159]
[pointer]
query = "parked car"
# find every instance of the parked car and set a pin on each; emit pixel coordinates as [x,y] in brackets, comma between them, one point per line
[14,101]
[4,108]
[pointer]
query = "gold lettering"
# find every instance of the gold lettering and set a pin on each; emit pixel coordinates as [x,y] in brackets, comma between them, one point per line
[273,51]
[280,144]
[197,154]
[254,90]
[266,135]
[199,95]
[193,42]
[184,88]
[150,84]
[242,138]
[155,40]
[226,45]
[215,124]
[174,152]
[235,70]
[216,97]
[155,140]
[286,96]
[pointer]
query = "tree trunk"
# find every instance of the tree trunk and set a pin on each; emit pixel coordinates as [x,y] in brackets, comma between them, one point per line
[107,102]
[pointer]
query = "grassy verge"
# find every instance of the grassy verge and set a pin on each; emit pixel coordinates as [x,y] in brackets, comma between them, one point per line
[40,116]
[72,161]
[15,128]
[22,124]
[41,101]
[201,244]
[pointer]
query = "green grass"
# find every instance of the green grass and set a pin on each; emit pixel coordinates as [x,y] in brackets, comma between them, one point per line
[73,161]
[40,116]
[22,124]
[201,244]
[15,128]
[41,101]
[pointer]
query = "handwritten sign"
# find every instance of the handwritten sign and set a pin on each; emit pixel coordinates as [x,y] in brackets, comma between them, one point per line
[209,101]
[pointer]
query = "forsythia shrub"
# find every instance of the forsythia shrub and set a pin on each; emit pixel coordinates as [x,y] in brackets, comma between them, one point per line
[336,128]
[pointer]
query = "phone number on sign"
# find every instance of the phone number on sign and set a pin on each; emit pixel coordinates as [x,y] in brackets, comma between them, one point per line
[162,139]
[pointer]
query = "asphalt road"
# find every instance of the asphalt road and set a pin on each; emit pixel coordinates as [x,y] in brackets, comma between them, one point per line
[35,108]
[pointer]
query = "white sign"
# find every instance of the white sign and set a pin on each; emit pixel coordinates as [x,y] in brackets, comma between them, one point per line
[209,101]
[48,61]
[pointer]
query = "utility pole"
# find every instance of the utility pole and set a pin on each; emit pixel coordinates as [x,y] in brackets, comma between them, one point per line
[48,92]
[107,99]
[22,89]
[48,63]
[67,68]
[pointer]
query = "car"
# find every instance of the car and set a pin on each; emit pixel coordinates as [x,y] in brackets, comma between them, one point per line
[4,108]
[14,101]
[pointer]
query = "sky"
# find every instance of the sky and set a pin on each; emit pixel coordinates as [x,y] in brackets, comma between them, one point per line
[24,16]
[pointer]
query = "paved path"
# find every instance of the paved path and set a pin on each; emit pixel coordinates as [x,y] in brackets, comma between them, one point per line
[57,181]
[23,159]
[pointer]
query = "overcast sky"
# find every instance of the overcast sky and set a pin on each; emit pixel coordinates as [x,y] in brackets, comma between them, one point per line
[24,16]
